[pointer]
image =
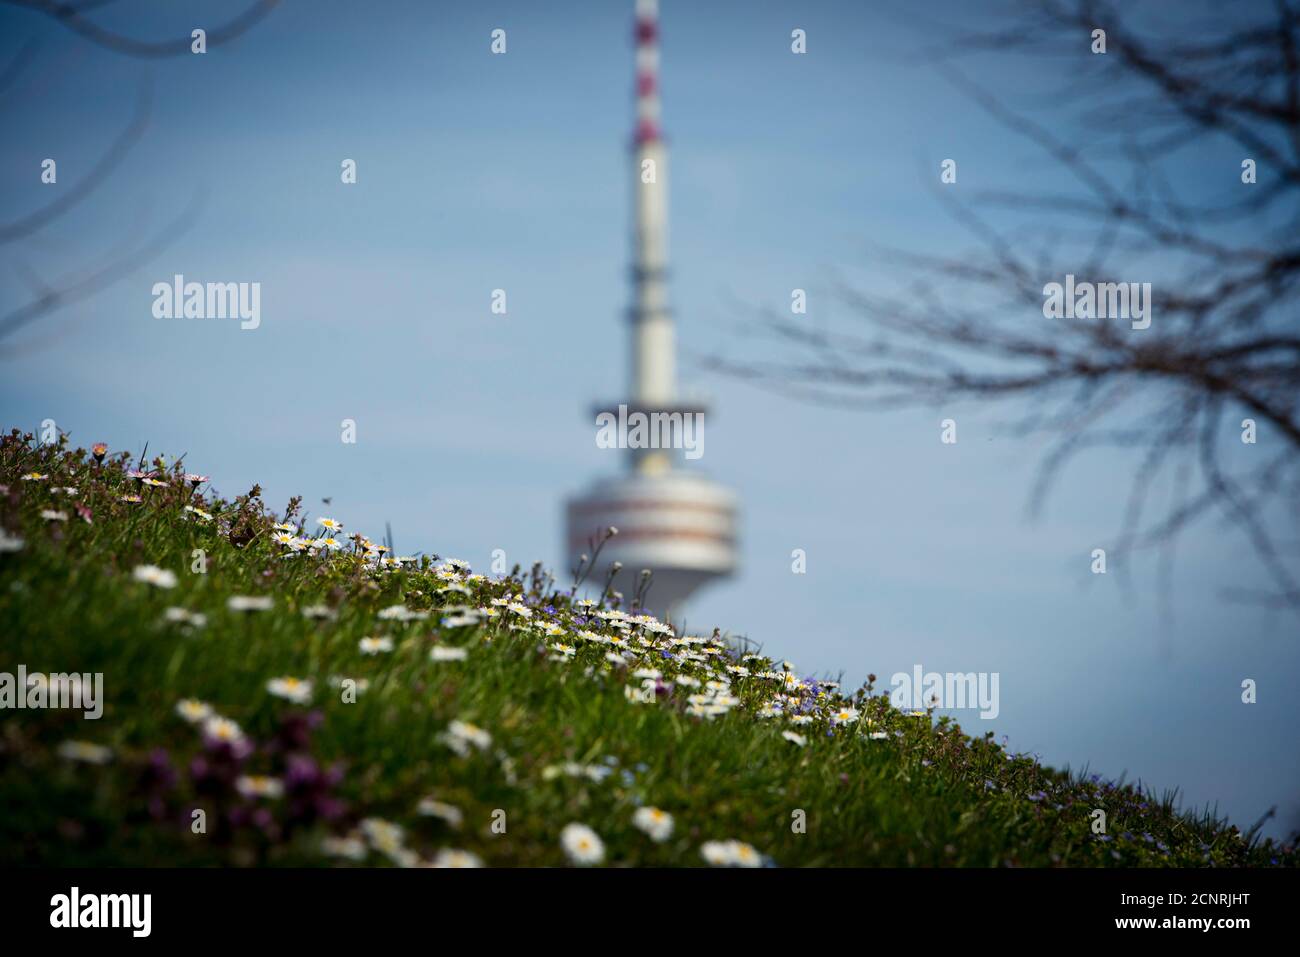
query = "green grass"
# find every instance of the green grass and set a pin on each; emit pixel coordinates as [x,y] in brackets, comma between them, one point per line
[567,744]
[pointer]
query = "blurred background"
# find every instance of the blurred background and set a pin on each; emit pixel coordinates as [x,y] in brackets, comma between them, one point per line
[477,172]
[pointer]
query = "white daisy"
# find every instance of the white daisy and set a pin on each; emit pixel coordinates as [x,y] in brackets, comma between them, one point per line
[431,807]
[401,613]
[449,857]
[291,689]
[351,848]
[373,646]
[461,735]
[85,751]
[654,822]
[259,786]
[581,844]
[639,695]
[193,710]
[730,854]
[384,836]
[222,729]
[153,575]
[249,602]
[182,616]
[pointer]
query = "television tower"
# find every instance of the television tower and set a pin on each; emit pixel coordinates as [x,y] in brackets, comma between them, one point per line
[678,524]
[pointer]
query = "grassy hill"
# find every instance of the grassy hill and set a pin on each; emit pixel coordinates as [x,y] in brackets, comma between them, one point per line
[274,694]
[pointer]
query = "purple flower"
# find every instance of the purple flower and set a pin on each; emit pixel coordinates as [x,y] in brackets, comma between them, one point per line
[308,790]
[214,771]
[158,774]
[295,731]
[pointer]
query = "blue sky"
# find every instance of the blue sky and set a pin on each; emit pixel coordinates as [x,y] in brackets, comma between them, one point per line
[478,172]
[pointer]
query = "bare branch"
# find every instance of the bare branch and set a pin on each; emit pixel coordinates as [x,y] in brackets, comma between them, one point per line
[71,16]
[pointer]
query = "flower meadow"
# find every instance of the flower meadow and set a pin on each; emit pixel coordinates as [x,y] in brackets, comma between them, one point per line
[279,689]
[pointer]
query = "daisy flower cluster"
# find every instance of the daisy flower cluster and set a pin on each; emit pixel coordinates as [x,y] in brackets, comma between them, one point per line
[704,677]
[329,538]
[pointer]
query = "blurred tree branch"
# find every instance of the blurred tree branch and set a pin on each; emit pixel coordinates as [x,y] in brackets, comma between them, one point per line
[70,198]
[1224,343]
[71,15]
[125,258]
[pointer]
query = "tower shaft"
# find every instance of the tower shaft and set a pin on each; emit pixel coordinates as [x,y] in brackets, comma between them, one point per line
[653,345]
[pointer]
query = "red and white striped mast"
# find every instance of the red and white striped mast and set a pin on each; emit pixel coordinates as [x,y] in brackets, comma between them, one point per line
[654,377]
